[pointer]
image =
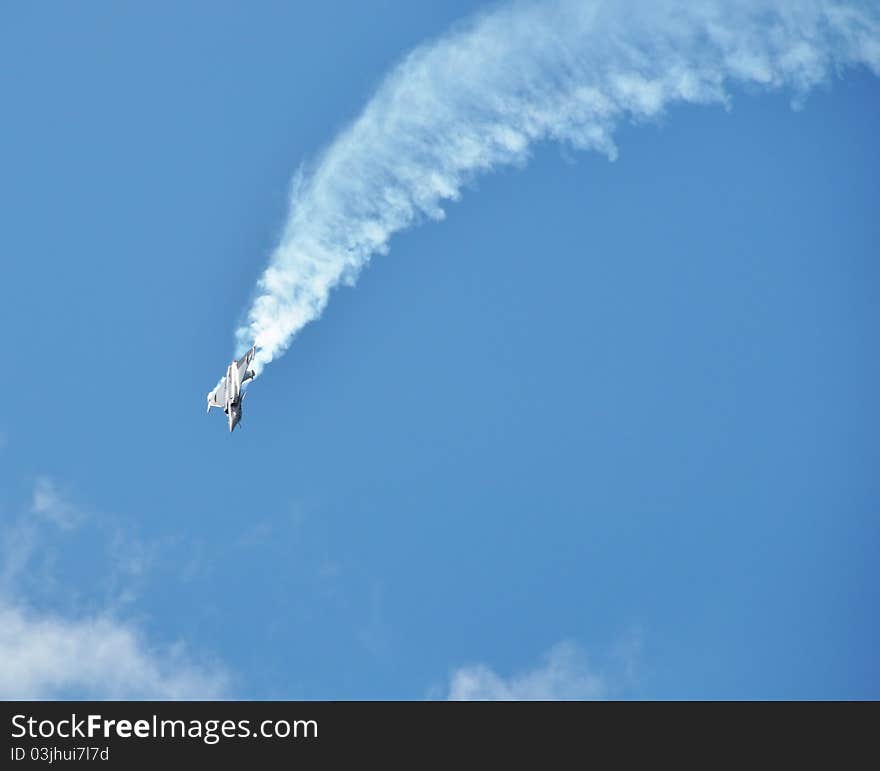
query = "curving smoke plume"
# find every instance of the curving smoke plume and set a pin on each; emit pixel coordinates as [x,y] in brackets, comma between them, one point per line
[567,70]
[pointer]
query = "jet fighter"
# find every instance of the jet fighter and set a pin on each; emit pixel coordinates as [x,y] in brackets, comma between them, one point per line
[228,394]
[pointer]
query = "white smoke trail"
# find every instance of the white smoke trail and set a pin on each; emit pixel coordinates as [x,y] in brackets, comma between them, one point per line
[479,97]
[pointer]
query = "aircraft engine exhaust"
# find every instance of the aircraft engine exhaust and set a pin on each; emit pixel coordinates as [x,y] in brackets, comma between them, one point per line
[482,95]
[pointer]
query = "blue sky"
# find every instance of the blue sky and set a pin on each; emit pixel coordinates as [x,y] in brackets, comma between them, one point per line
[609,426]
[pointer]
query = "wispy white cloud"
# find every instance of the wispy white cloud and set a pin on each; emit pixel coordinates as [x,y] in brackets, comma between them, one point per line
[47,502]
[47,656]
[563,674]
[49,653]
[35,542]
[21,537]
[480,97]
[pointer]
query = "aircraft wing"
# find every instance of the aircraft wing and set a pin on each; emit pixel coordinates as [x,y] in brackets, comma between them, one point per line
[244,362]
[217,397]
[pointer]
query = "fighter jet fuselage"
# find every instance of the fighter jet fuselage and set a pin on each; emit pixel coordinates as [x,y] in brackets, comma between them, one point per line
[234,396]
